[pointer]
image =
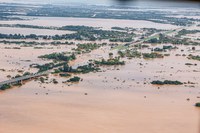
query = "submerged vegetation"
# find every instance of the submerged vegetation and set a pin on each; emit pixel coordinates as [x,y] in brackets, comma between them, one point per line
[58,57]
[65,75]
[35,43]
[193,57]
[197,104]
[87,48]
[112,61]
[80,69]
[185,32]
[164,48]
[74,79]
[5,87]
[87,68]
[47,66]
[166,82]
[81,33]
[162,38]
[152,55]
[129,54]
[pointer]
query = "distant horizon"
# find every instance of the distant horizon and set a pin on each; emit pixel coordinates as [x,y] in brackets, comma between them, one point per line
[108,3]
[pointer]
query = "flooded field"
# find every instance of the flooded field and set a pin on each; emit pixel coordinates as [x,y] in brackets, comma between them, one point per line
[94,22]
[28,31]
[116,98]
[111,105]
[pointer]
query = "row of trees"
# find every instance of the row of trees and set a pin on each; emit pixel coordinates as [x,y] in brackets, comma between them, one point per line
[166,82]
[59,57]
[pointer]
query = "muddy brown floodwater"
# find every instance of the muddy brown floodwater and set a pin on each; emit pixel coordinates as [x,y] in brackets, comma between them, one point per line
[118,100]
[110,105]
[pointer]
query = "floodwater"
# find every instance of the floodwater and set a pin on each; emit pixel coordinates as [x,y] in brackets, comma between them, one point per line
[117,101]
[111,101]
[28,31]
[104,23]
[13,60]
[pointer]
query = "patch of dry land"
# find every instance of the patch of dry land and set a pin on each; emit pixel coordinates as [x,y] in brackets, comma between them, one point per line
[147,82]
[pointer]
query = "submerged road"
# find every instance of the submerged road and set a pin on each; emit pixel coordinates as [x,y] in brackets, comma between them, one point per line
[23,78]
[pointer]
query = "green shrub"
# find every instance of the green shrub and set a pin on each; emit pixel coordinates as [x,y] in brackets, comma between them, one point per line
[74,79]
[166,82]
[4,87]
[65,75]
[197,104]
[114,61]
